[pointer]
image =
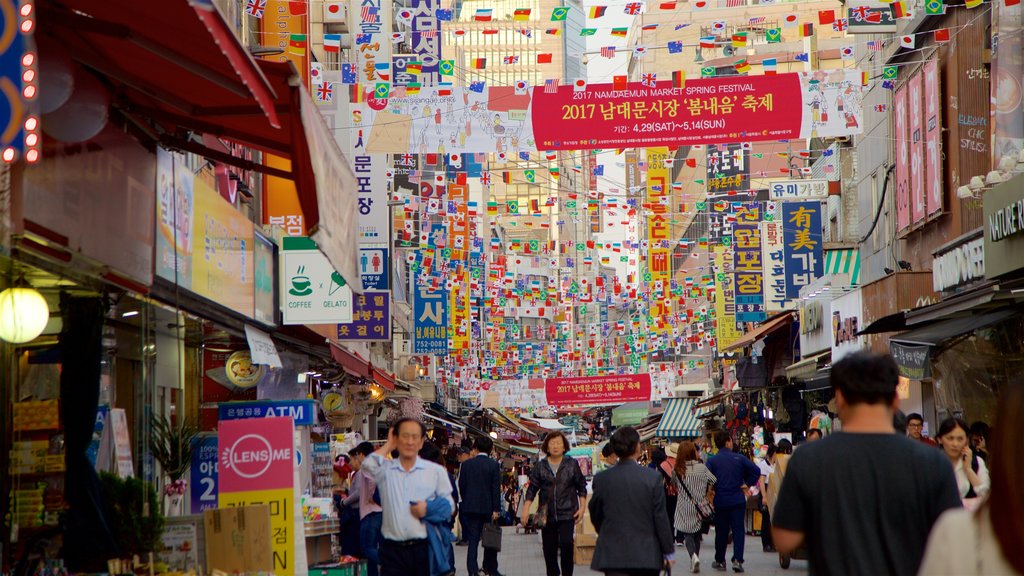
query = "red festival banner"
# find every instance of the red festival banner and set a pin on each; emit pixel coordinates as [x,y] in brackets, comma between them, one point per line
[598,390]
[710,110]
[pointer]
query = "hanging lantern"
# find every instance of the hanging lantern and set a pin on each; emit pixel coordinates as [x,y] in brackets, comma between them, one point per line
[23,315]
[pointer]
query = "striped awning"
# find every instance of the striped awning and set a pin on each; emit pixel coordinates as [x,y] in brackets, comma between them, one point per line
[679,420]
[845,261]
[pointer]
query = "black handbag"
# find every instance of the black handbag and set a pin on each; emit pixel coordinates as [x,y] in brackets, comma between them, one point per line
[491,536]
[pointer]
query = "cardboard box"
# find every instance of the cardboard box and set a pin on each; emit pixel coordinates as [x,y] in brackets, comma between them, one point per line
[586,534]
[238,539]
[583,555]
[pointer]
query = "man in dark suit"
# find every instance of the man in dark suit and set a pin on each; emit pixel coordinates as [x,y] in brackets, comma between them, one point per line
[479,486]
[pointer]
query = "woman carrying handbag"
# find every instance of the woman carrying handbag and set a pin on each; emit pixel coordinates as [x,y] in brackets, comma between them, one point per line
[562,490]
[693,513]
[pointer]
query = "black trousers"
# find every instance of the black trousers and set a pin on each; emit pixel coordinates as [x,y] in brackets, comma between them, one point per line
[472,528]
[404,558]
[558,537]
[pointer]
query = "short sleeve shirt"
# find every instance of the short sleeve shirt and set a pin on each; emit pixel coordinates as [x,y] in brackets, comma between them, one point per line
[880,493]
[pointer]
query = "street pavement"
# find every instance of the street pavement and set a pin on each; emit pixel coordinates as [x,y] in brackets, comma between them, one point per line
[521,556]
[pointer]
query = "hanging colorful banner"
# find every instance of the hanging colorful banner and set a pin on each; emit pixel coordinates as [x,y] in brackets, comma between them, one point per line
[708,110]
[933,140]
[748,264]
[802,234]
[915,102]
[371,318]
[900,127]
[598,390]
[711,110]
[456,254]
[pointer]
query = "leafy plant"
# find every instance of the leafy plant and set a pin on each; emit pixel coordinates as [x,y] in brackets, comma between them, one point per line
[171,445]
[133,512]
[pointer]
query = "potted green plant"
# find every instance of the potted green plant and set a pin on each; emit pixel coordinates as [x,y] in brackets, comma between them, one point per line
[171,445]
[133,513]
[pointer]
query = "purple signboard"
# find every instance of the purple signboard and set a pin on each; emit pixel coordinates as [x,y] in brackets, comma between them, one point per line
[371,318]
[426,39]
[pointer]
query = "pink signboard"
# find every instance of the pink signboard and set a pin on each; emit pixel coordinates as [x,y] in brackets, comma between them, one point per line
[704,111]
[902,161]
[916,114]
[598,390]
[256,454]
[932,139]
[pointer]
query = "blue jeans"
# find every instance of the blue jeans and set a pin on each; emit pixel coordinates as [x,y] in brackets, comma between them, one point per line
[729,518]
[369,540]
[472,528]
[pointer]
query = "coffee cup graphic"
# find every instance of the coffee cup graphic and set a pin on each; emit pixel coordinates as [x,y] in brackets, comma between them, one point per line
[301,285]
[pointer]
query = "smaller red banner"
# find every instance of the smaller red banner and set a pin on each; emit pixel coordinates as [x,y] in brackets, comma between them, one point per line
[598,390]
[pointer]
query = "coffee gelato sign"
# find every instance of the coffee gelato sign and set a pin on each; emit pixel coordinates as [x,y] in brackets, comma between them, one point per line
[312,291]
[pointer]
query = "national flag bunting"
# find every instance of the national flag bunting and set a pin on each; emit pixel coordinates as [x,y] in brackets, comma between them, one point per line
[649,79]
[773,35]
[807,30]
[483,14]
[332,42]
[297,44]
[551,86]
[942,35]
[608,51]
[597,11]
[770,65]
[973,3]
[479,63]
[675,47]
[521,14]
[620,32]
[559,13]
[619,82]
[742,66]
[633,8]
[544,58]
[256,8]
[678,79]
[707,42]
[739,40]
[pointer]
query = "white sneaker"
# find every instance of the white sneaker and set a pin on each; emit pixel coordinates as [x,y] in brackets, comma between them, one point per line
[694,564]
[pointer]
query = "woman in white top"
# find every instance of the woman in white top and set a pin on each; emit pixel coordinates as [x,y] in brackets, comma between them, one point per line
[693,480]
[988,541]
[971,474]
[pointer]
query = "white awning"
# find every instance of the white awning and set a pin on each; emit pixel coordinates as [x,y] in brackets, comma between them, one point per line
[548,423]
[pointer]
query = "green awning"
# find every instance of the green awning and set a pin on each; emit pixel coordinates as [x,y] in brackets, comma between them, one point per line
[630,414]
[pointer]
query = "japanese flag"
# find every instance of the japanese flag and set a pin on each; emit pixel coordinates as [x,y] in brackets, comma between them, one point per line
[907,41]
[790,20]
[700,5]
[334,11]
[455,160]
[579,85]
[439,179]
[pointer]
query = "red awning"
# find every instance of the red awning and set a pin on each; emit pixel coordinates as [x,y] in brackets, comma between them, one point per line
[352,363]
[385,380]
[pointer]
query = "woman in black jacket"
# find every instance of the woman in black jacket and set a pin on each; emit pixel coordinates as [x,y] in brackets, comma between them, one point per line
[563,498]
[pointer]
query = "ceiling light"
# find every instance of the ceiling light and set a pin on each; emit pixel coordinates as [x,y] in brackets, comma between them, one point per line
[130,313]
[23,315]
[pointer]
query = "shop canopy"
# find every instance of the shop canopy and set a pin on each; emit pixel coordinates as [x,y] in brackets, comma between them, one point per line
[939,332]
[176,68]
[547,423]
[630,413]
[808,367]
[761,331]
[679,420]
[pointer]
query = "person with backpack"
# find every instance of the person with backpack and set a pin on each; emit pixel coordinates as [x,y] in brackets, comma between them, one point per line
[972,476]
[665,468]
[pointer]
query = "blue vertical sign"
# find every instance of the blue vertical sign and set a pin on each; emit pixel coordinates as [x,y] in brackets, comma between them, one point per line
[748,264]
[430,308]
[801,233]
[203,474]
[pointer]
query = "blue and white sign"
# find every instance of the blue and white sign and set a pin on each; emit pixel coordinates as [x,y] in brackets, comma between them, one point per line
[373,266]
[203,474]
[430,309]
[303,412]
[802,236]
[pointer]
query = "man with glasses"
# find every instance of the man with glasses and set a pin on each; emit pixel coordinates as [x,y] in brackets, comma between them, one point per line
[915,425]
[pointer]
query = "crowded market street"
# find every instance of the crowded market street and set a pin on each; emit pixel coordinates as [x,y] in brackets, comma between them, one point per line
[511,287]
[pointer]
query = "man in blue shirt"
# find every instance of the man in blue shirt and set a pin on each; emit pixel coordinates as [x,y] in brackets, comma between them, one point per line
[405,485]
[735,474]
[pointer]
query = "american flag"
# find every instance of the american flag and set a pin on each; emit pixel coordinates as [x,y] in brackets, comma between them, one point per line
[875,45]
[368,13]
[757,20]
[735,3]
[551,86]
[608,51]
[325,92]
[256,8]
[649,79]
[427,33]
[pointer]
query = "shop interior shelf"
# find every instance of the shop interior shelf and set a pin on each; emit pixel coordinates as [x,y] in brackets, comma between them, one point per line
[321,527]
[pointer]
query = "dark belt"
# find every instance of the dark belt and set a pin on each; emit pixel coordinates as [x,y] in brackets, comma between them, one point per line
[406,543]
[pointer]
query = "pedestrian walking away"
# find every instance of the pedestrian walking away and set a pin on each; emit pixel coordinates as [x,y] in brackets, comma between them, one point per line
[863,499]
[634,537]
[369,510]
[407,484]
[693,481]
[479,487]
[562,488]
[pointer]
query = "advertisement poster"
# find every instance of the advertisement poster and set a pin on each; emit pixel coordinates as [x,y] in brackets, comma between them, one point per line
[1007,81]
[174,210]
[430,315]
[710,110]
[598,390]
[801,233]
[915,101]
[203,474]
[264,299]
[933,140]
[228,375]
[799,189]
[371,318]
[257,466]
[900,127]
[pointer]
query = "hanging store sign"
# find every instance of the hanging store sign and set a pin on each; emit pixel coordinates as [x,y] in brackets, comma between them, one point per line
[802,235]
[373,267]
[203,474]
[312,292]
[598,390]
[302,412]
[799,189]
[371,318]
[913,361]
[870,19]
[430,315]
[748,264]
[1003,227]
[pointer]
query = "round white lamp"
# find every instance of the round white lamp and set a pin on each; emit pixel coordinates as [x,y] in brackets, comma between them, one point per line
[23,315]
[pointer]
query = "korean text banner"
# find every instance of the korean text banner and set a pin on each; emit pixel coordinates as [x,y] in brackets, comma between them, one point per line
[706,111]
[371,318]
[597,390]
[711,110]
[430,307]
[801,233]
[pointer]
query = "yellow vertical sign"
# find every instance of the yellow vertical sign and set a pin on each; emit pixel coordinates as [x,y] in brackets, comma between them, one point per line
[725,299]
[458,234]
[659,251]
